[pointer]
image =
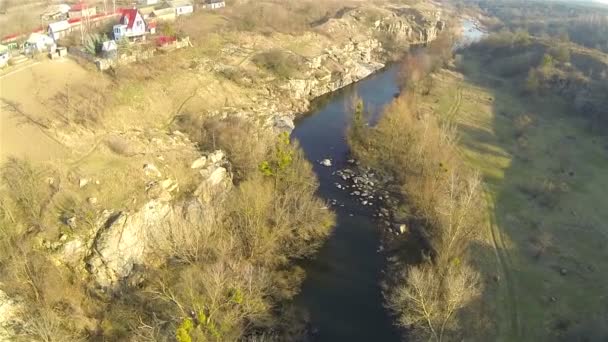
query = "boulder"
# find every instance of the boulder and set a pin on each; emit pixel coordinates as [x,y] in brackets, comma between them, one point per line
[9,316]
[71,222]
[151,170]
[122,240]
[325,162]
[200,162]
[169,184]
[73,252]
[400,228]
[216,180]
[283,123]
[216,156]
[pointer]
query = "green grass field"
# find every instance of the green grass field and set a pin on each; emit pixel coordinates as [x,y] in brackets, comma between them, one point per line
[545,257]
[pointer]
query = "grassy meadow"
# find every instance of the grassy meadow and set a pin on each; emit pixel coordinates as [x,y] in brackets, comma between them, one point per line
[545,249]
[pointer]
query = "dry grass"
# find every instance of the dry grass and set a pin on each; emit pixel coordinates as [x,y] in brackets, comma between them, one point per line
[287,16]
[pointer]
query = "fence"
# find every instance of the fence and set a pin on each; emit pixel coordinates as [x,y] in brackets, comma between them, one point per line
[107,63]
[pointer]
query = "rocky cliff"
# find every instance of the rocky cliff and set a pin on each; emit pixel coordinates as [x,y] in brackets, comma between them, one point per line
[367,38]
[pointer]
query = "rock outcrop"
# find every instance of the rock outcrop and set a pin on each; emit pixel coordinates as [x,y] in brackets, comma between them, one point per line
[363,54]
[123,240]
[9,316]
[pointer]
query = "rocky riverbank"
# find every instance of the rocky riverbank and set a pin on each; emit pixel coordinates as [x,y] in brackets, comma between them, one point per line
[373,37]
[372,191]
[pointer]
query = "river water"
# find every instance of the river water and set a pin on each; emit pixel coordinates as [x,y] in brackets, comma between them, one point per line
[342,293]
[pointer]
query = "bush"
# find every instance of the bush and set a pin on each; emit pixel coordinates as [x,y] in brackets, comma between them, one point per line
[27,189]
[245,144]
[532,82]
[281,63]
[561,53]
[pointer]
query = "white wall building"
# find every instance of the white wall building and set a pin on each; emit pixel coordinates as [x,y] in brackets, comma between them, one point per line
[182,7]
[213,4]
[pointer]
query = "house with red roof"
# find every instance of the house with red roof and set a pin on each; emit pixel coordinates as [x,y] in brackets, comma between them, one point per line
[132,25]
[80,10]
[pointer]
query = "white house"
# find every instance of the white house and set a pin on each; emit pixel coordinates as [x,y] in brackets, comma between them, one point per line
[38,42]
[132,25]
[213,4]
[59,29]
[182,7]
[148,2]
[5,55]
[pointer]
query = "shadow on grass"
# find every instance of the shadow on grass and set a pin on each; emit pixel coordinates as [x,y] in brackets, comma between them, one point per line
[546,279]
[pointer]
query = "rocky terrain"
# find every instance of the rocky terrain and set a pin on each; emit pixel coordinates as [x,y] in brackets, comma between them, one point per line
[363,50]
[118,241]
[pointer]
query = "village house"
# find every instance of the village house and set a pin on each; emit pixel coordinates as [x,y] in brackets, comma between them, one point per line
[164,14]
[132,25]
[146,11]
[5,55]
[56,12]
[213,4]
[37,42]
[182,7]
[80,10]
[59,29]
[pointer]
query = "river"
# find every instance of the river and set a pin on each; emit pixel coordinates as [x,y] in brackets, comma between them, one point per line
[342,293]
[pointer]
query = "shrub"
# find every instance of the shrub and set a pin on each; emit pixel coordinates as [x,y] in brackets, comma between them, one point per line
[27,189]
[245,144]
[430,297]
[444,196]
[561,53]
[532,82]
[119,146]
[522,122]
[281,63]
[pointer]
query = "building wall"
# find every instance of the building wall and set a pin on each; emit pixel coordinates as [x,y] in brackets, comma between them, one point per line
[215,5]
[165,17]
[183,10]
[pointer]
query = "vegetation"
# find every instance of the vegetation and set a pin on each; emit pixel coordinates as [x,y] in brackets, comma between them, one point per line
[279,62]
[550,65]
[286,16]
[443,197]
[215,278]
[514,104]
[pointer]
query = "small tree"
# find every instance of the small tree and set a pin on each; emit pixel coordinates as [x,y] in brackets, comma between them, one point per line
[561,53]
[532,82]
[280,159]
[547,62]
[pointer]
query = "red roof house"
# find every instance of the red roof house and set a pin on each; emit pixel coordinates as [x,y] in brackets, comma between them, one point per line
[132,24]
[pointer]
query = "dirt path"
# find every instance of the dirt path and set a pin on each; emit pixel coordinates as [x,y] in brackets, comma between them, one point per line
[507,289]
[455,107]
[506,285]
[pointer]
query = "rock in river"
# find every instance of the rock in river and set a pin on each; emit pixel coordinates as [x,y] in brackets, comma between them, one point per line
[325,162]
